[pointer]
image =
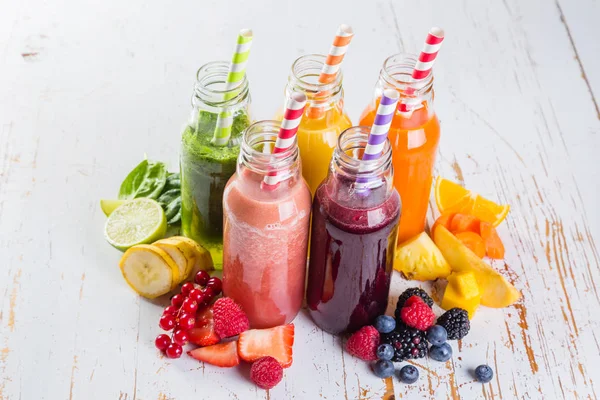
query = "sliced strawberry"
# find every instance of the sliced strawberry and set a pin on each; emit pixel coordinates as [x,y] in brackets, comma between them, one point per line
[222,355]
[203,333]
[275,342]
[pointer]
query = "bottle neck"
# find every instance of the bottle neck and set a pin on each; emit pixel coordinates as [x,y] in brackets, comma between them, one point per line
[213,93]
[256,159]
[304,78]
[397,74]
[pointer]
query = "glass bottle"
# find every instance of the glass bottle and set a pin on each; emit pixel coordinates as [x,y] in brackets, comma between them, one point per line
[414,138]
[353,240]
[206,168]
[266,230]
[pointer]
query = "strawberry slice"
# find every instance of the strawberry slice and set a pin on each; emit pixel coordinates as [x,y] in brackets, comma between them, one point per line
[203,333]
[275,342]
[222,355]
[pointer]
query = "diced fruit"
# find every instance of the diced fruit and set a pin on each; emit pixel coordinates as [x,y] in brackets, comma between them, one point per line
[148,270]
[177,254]
[496,291]
[445,220]
[493,244]
[222,355]
[203,334]
[462,292]
[275,342]
[138,221]
[229,318]
[419,258]
[473,241]
[464,223]
[202,260]
[266,373]
[108,206]
[450,197]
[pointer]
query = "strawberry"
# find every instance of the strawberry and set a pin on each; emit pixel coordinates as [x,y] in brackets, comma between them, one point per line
[222,355]
[229,318]
[275,342]
[203,333]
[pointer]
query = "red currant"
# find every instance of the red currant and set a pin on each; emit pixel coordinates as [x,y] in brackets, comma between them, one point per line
[174,350]
[183,315]
[196,295]
[170,310]
[201,278]
[177,300]
[187,323]
[208,295]
[167,322]
[215,284]
[189,306]
[180,337]
[187,288]
[162,342]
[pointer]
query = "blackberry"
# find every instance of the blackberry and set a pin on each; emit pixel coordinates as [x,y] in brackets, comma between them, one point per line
[456,322]
[408,343]
[409,293]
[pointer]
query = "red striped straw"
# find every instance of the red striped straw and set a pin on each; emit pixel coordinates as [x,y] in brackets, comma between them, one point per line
[423,67]
[294,109]
[334,59]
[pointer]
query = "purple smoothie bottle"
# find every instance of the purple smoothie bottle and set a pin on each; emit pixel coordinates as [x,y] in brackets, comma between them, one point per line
[354,230]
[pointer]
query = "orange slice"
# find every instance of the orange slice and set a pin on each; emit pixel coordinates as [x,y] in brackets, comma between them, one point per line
[450,197]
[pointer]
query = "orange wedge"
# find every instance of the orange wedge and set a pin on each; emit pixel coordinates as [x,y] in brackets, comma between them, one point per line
[450,197]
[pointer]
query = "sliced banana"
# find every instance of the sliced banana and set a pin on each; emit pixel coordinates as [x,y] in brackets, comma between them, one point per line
[183,256]
[149,270]
[202,259]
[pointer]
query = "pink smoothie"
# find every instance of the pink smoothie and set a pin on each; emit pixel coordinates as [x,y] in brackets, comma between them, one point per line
[264,251]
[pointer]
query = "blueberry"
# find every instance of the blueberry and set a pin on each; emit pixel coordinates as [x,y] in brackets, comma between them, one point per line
[437,335]
[383,368]
[441,353]
[385,324]
[385,352]
[408,374]
[484,373]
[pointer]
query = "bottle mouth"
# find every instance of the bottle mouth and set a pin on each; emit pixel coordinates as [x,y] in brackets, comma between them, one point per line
[397,72]
[305,76]
[211,85]
[350,149]
[257,146]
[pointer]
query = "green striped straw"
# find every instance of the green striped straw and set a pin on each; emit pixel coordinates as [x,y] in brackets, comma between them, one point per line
[237,71]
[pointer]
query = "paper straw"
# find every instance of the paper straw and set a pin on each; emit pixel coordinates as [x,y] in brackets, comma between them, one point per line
[381,125]
[237,71]
[423,67]
[294,109]
[332,64]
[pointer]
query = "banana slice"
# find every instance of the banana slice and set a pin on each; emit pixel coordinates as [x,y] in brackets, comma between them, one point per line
[149,270]
[202,260]
[183,255]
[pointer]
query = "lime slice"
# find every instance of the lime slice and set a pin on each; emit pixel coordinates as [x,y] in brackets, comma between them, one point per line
[108,206]
[137,221]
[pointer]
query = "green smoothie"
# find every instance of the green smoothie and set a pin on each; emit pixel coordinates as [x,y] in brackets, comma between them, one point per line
[205,170]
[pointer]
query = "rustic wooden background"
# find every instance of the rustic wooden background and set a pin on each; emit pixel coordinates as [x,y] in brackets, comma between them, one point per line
[88,87]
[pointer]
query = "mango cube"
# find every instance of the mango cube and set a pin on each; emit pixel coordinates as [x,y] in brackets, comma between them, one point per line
[462,292]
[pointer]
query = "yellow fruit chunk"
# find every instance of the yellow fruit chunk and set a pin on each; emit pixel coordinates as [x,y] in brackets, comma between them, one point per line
[178,255]
[450,198]
[496,291]
[419,259]
[148,270]
[202,258]
[462,292]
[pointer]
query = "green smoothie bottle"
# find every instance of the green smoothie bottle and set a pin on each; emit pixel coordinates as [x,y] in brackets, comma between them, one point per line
[205,166]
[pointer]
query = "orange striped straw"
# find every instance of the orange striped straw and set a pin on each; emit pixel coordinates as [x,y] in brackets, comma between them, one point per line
[334,59]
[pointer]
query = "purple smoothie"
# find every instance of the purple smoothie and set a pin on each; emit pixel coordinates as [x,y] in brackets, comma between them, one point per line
[351,255]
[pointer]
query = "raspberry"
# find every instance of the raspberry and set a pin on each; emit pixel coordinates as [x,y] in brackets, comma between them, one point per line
[229,318]
[417,314]
[266,372]
[363,344]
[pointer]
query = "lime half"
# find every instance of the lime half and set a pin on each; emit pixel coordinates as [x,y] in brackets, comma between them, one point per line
[108,206]
[139,221]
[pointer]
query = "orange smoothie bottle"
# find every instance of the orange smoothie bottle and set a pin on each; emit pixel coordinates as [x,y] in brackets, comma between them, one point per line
[414,138]
[324,117]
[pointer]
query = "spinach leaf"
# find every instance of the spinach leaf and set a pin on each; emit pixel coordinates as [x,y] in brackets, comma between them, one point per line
[147,179]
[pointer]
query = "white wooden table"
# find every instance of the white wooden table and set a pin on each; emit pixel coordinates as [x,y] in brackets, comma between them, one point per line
[86,88]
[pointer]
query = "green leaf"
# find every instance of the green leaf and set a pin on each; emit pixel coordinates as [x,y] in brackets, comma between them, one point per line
[173,208]
[147,179]
[168,197]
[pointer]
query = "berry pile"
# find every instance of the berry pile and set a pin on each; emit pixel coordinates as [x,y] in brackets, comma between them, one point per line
[180,316]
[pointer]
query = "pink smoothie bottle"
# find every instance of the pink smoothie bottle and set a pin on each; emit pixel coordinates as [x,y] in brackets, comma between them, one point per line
[354,230]
[265,230]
